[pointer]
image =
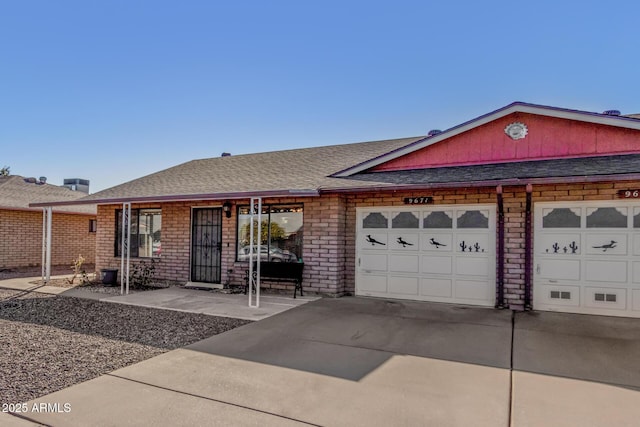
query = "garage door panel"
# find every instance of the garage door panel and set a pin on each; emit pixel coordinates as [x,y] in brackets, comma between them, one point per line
[403,285]
[374,262]
[437,264]
[635,299]
[435,287]
[472,290]
[473,266]
[560,269]
[374,241]
[560,243]
[636,272]
[436,242]
[372,283]
[404,263]
[605,298]
[558,296]
[636,244]
[606,271]
[473,243]
[405,242]
[606,244]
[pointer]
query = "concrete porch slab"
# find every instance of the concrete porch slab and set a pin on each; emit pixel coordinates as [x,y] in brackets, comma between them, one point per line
[211,303]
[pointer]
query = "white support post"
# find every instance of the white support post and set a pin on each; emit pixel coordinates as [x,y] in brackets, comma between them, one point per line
[47,212]
[256,207]
[125,248]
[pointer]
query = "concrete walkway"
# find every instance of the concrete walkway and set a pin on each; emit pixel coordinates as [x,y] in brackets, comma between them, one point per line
[178,299]
[370,362]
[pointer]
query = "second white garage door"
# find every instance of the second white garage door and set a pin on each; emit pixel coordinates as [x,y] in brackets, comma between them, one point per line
[428,253]
[587,257]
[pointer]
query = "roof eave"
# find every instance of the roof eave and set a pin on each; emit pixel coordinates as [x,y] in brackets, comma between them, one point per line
[486,183]
[187,197]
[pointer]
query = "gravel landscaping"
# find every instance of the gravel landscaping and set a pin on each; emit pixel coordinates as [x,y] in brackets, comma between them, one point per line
[52,342]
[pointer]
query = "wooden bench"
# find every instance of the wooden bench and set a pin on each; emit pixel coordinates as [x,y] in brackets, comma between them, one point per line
[277,272]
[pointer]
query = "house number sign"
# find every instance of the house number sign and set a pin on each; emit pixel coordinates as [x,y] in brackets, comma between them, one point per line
[629,194]
[417,200]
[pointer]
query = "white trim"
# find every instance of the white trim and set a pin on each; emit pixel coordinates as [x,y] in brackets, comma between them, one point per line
[125,249]
[47,214]
[255,201]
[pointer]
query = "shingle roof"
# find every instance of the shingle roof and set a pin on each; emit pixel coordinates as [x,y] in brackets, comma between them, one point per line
[289,171]
[592,167]
[18,193]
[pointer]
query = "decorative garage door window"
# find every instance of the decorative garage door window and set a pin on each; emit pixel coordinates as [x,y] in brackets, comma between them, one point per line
[473,219]
[375,220]
[438,219]
[405,220]
[587,257]
[561,218]
[606,218]
[444,253]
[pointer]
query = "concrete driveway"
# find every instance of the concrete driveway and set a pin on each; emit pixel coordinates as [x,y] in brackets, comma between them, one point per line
[370,362]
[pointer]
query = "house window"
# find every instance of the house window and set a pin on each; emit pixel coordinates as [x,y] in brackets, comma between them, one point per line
[93,225]
[281,238]
[146,226]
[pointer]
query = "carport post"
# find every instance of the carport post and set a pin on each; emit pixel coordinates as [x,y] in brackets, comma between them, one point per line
[47,212]
[125,252]
[256,206]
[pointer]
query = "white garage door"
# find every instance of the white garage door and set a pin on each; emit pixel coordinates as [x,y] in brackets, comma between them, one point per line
[429,253]
[587,257]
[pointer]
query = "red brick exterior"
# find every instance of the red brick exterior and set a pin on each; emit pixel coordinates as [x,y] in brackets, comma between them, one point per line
[329,248]
[21,238]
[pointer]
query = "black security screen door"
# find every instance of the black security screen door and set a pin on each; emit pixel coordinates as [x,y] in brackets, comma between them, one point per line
[206,245]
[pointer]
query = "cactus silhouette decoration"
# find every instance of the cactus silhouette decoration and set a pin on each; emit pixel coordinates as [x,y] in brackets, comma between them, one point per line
[573,247]
[463,246]
[556,248]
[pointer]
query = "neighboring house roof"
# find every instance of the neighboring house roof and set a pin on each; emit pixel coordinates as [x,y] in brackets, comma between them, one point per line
[18,193]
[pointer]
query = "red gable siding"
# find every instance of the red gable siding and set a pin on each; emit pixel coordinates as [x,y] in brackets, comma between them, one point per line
[548,138]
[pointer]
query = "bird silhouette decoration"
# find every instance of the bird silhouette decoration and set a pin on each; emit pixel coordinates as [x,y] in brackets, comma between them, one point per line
[436,243]
[374,241]
[403,243]
[607,246]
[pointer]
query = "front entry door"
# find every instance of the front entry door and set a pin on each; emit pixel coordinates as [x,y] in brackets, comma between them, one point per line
[206,245]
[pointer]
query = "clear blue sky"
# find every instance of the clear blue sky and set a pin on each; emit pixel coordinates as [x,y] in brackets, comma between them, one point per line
[112,90]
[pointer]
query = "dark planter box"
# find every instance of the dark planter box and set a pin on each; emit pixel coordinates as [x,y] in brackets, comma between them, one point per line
[109,276]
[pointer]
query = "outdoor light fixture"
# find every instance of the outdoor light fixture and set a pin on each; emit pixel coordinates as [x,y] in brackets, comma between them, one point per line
[226,207]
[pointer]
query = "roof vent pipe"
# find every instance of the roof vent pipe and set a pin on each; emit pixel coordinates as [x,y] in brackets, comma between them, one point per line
[611,113]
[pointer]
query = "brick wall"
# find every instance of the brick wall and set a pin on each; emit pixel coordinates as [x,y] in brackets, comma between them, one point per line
[323,243]
[329,233]
[21,238]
